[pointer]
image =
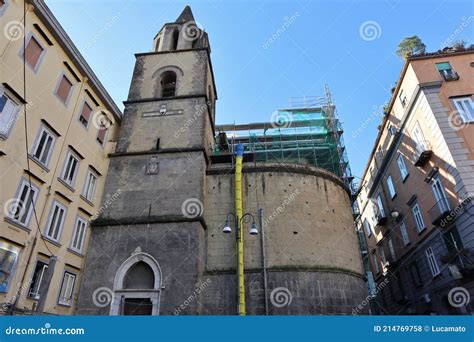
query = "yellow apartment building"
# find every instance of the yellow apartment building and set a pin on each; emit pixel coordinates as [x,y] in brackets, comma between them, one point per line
[57,126]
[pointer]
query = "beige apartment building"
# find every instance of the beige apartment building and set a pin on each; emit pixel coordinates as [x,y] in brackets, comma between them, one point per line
[415,198]
[53,164]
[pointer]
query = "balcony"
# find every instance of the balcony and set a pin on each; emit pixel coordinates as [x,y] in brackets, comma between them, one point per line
[440,211]
[422,153]
[450,75]
[381,218]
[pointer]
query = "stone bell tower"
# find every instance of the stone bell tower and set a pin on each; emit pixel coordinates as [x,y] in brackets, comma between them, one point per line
[147,247]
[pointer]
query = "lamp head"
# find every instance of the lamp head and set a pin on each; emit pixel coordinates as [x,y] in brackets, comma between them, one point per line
[227,228]
[253,229]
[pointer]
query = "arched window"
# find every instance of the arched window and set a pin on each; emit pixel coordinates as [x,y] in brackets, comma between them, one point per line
[137,286]
[168,84]
[174,45]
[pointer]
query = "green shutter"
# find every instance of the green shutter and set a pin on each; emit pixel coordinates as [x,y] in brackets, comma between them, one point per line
[443,66]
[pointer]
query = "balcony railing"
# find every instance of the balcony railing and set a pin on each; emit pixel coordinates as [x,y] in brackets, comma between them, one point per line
[440,210]
[450,75]
[381,218]
[423,153]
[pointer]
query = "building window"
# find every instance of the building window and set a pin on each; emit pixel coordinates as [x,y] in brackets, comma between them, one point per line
[382,255]
[168,84]
[8,265]
[420,224]
[55,221]
[440,195]
[392,130]
[375,260]
[79,235]
[415,274]
[33,53]
[430,256]
[465,108]
[380,208]
[67,289]
[43,147]
[8,113]
[403,99]
[381,154]
[391,187]
[26,196]
[404,233]
[90,185]
[86,112]
[63,89]
[446,71]
[37,279]
[368,228]
[102,133]
[174,43]
[402,167]
[70,168]
[391,249]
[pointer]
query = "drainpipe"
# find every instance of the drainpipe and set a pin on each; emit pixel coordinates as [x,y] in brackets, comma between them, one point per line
[239,152]
[264,259]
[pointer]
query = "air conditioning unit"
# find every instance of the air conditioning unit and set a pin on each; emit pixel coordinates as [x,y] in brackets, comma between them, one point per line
[426,298]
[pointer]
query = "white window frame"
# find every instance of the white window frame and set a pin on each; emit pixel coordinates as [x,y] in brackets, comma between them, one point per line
[58,83]
[12,116]
[380,205]
[85,189]
[402,167]
[69,280]
[58,226]
[432,262]
[80,114]
[376,263]
[391,248]
[404,233]
[36,294]
[391,187]
[440,194]
[367,227]
[418,217]
[40,58]
[69,155]
[461,108]
[25,183]
[79,234]
[42,130]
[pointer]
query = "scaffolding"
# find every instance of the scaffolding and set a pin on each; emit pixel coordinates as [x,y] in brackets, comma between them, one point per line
[308,132]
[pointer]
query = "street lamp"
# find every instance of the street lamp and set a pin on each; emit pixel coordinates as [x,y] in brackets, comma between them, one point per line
[239,242]
[227,229]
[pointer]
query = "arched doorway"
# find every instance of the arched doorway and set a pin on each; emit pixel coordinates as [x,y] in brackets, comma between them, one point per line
[137,286]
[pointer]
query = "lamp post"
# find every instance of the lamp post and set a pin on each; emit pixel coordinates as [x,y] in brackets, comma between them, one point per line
[240,257]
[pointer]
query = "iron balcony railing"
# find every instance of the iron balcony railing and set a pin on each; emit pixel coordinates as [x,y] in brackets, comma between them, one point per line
[422,153]
[440,210]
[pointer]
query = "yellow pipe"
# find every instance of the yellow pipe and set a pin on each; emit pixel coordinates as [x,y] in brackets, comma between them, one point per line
[238,214]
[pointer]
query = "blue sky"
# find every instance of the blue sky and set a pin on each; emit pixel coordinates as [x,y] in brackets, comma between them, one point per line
[315,42]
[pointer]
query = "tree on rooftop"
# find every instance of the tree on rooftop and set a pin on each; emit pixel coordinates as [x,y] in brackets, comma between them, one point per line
[410,46]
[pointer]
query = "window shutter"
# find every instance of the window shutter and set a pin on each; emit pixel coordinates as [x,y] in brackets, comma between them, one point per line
[64,89]
[86,111]
[33,52]
[101,134]
[443,66]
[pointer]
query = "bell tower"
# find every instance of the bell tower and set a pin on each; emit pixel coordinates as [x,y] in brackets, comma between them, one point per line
[159,168]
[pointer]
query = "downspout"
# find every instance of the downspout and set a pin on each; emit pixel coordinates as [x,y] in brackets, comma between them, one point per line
[239,152]
[264,259]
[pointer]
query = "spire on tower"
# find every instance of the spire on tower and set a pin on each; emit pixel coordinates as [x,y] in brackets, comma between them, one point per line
[185,16]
